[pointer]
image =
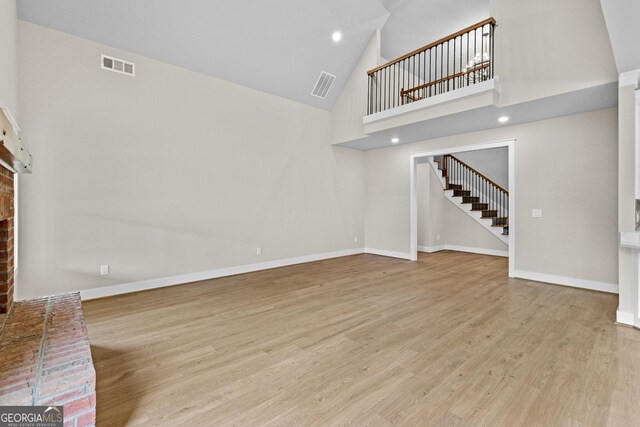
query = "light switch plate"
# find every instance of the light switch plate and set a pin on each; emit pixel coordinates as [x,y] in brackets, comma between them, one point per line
[536,213]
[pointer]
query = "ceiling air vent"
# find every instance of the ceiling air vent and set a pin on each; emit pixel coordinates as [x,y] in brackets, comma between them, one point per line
[324,83]
[118,65]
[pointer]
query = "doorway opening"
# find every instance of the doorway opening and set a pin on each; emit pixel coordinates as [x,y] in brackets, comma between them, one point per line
[463,199]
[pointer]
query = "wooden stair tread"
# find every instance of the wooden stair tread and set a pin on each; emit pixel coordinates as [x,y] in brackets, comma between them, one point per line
[468,197]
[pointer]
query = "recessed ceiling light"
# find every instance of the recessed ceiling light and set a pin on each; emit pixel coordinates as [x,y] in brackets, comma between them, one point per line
[336,36]
[503,119]
[395,140]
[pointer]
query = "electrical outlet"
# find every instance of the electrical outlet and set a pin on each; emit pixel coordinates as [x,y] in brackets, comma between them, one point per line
[437,237]
[259,251]
[536,213]
[355,239]
[104,270]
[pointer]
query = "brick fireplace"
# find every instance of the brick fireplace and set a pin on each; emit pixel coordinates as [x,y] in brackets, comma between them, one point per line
[6,239]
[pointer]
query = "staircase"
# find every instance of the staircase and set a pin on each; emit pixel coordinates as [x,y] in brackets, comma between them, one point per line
[474,193]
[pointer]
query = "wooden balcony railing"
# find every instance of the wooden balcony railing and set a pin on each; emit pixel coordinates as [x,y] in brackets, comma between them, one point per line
[453,62]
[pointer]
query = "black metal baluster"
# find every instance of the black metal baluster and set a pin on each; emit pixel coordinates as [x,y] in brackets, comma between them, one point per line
[492,31]
[384,88]
[413,73]
[461,81]
[368,94]
[379,81]
[375,92]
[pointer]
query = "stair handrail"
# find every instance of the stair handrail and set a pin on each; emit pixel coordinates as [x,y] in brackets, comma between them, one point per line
[456,61]
[483,176]
[450,37]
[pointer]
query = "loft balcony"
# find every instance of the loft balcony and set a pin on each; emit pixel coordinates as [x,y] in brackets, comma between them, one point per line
[454,67]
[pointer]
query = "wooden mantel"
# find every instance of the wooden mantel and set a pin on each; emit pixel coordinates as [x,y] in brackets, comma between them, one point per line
[13,153]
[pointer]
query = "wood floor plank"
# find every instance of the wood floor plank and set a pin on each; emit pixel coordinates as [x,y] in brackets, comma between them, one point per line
[365,340]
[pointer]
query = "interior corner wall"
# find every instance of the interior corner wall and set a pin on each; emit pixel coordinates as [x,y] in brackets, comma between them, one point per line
[8,55]
[548,47]
[566,166]
[169,172]
[351,106]
[441,223]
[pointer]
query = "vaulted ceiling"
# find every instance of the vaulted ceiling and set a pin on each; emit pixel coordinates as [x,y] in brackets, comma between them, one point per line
[277,46]
[622,17]
[413,24]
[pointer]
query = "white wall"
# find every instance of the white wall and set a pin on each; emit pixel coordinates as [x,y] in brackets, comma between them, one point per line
[492,163]
[8,56]
[167,173]
[566,166]
[441,223]
[351,106]
[548,47]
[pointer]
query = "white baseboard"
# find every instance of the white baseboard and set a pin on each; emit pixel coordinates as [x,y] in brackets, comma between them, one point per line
[392,254]
[431,249]
[625,318]
[482,251]
[125,288]
[567,281]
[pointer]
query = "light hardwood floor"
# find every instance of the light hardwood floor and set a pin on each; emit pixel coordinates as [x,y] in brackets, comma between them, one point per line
[366,340]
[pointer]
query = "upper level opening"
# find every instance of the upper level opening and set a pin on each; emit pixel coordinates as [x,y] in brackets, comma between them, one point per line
[460,60]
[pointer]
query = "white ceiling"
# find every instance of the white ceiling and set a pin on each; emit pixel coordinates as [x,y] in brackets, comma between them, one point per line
[622,18]
[277,46]
[413,24]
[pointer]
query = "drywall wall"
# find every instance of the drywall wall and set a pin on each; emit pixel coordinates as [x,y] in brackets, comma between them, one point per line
[566,166]
[548,47]
[492,163]
[627,268]
[351,106]
[431,207]
[8,56]
[441,223]
[168,172]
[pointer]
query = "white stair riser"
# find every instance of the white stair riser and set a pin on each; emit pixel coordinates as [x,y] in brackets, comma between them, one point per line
[477,215]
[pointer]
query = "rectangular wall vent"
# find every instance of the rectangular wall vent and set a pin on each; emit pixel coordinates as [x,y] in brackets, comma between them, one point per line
[118,65]
[324,83]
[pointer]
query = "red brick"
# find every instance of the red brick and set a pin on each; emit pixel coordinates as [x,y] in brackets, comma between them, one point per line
[62,398]
[18,397]
[67,376]
[86,420]
[80,405]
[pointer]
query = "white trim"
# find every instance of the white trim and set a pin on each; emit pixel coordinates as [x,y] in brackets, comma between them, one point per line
[12,120]
[392,254]
[625,318]
[567,281]
[413,196]
[481,251]
[463,148]
[413,208]
[432,249]
[630,78]
[125,288]
[512,208]
[486,86]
